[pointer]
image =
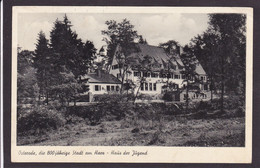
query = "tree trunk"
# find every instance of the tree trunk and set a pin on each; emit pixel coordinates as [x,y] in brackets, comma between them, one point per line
[187,97]
[136,94]
[75,102]
[127,85]
[122,82]
[211,89]
[39,97]
[47,98]
[211,94]
[222,85]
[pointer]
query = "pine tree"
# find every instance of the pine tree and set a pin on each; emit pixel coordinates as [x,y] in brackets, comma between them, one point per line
[69,50]
[42,64]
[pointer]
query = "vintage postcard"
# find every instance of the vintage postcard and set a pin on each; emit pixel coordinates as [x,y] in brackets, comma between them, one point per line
[132,84]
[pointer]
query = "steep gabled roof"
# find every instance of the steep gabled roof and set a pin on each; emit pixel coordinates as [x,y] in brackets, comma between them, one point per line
[161,57]
[158,54]
[101,78]
[199,70]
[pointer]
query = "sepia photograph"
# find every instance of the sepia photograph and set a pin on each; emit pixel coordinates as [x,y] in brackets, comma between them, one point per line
[131,79]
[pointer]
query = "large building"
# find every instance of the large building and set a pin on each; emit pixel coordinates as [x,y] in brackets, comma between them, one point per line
[164,69]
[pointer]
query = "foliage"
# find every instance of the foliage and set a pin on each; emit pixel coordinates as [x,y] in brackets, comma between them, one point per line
[122,34]
[25,60]
[168,96]
[116,105]
[27,87]
[42,63]
[142,40]
[144,65]
[171,47]
[60,63]
[221,51]
[68,50]
[231,30]
[191,76]
[66,87]
[39,119]
[120,40]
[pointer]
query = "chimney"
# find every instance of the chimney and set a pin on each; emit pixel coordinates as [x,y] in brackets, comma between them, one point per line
[99,73]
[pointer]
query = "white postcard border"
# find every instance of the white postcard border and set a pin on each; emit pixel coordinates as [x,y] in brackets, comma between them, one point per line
[155,154]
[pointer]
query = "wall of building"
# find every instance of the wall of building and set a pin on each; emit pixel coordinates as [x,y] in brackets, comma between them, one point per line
[103,88]
[158,80]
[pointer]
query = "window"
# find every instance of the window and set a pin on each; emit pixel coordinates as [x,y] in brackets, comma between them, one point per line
[148,74]
[154,86]
[163,75]
[142,86]
[150,86]
[117,88]
[145,74]
[176,76]
[137,74]
[108,88]
[205,87]
[201,78]
[154,75]
[146,86]
[97,87]
[115,67]
[112,88]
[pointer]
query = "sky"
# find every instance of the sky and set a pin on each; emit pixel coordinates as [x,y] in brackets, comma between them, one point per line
[155,28]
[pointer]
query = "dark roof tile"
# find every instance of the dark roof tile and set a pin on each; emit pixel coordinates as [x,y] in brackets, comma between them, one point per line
[101,78]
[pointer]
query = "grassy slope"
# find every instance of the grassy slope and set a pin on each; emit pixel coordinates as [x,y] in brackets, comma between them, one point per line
[138,132]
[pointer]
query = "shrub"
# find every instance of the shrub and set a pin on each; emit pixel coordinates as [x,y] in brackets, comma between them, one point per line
[117,105]
[233,102]
[204,105]
[93,113]
[40,119]
[83,98]
[109,107]
[145,97]
[240,112]
[168,96]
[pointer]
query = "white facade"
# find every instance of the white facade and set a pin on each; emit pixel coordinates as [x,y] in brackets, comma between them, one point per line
[153,83]
[103,88]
